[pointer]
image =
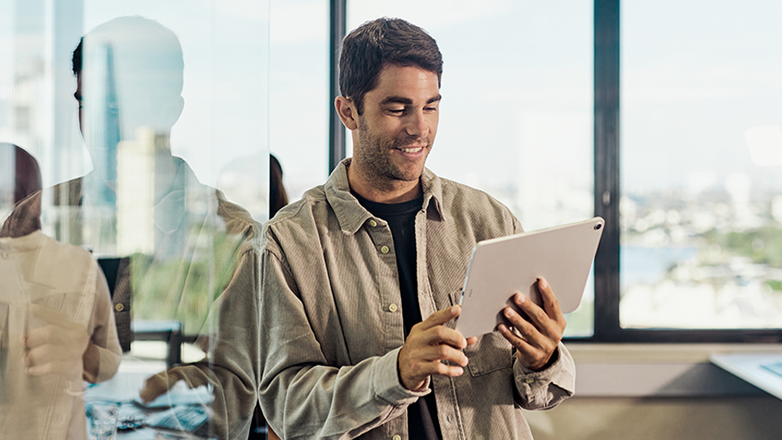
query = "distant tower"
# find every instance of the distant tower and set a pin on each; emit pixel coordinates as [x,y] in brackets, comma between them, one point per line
[101,129]
[101,122]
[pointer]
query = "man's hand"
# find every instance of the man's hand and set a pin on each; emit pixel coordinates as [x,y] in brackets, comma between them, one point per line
[158,385]
[428,346]
[57,347]
[541,334]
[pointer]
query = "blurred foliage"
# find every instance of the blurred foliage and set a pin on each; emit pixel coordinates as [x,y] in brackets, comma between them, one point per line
[183,288]
[776,285]
[762,245]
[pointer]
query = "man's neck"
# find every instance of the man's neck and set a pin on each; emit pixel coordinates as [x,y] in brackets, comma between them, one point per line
[394,192]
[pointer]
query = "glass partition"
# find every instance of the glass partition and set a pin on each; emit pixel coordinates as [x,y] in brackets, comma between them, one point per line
[299,92]
[134,169]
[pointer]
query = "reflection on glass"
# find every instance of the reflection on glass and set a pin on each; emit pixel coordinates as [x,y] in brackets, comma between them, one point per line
[56,320]
[146,228]
[701,149]
[516,114]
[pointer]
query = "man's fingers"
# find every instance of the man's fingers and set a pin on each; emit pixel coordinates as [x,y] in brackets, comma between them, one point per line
[530,355]
[550,301]
[443,335]
[158,385]
[540,319]
[421,369]
[440,317]
[443,352]
[529,332]
[442,369]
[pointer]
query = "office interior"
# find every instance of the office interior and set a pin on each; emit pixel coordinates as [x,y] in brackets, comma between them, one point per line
[661,117]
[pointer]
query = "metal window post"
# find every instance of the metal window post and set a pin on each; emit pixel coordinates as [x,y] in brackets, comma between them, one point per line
[338,29]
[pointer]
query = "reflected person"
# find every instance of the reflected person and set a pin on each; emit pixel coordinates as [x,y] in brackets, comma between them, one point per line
[193,256]
[56,322]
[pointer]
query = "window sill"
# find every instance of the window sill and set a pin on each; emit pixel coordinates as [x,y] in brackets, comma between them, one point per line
[659,370]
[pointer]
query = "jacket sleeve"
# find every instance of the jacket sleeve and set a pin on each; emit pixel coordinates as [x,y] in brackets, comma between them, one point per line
[301,395]
[231,368]
[538,390]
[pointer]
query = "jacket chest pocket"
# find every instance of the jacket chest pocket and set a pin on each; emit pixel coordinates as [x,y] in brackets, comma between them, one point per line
[491,353]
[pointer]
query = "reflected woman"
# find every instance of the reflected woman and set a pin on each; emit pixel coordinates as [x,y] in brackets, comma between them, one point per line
[56,322]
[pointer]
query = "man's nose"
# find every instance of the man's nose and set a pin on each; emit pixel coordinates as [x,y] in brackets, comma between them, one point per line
[417,124]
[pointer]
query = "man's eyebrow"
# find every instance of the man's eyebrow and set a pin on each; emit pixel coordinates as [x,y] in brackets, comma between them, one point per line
[396,100]
[406,101]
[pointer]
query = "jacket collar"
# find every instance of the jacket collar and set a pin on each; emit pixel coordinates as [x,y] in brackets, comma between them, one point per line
[351,215]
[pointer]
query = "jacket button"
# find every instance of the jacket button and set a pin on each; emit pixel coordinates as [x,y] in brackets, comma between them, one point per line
[119,307]
[529,380]
[396,437]
[392,308]
[372,223]
[384,249]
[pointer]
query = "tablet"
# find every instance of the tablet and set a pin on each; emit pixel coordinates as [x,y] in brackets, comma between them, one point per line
[502,266]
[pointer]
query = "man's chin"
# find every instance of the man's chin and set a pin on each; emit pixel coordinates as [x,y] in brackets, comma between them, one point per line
[408,175]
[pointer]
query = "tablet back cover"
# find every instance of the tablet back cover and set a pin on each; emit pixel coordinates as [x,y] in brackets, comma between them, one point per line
[502,266]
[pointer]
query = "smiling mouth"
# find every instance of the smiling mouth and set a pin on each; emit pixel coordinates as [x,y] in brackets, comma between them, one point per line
[411,149]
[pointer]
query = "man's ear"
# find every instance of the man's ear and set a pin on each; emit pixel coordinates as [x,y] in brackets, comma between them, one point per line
[346,110]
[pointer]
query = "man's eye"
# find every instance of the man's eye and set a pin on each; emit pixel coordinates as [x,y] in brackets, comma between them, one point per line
[396,111]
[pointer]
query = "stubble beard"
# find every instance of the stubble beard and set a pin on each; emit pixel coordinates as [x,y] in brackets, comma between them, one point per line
[375,154]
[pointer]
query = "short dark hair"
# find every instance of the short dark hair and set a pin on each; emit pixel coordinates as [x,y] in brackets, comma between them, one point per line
[76,61]
[152,50]
[375,44]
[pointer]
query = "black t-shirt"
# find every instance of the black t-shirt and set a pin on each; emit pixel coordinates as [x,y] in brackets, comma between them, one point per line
[421,416]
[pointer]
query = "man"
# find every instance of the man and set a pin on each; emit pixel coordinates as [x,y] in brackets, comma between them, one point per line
[192,256]
[349,271]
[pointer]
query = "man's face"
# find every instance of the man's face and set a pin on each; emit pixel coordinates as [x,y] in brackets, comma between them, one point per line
[78,97]
[397,128]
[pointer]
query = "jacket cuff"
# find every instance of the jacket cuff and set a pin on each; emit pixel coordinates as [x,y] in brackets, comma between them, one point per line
[561,373]
[386,384]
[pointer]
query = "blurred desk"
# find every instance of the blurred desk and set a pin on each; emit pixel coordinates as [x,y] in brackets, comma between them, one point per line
[166,331]
[762,370]
[177,408]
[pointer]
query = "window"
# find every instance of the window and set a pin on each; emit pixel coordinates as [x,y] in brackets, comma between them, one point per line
[517,98]
[701,151]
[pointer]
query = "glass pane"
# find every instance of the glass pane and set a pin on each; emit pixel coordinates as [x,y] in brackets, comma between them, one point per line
[133,165]
[299,92]
[517,98]
[701,155]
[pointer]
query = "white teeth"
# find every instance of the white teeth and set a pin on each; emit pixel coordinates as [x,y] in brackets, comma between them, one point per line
[412,150]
